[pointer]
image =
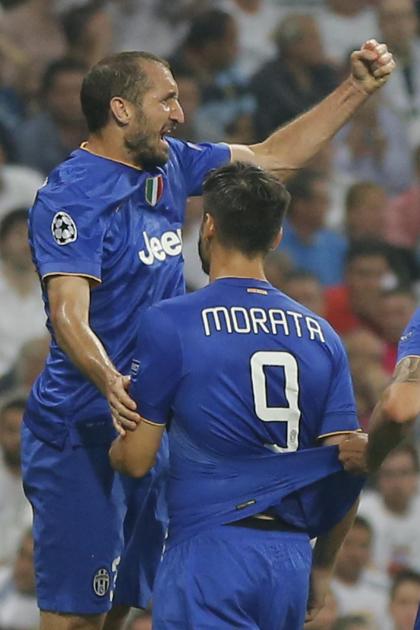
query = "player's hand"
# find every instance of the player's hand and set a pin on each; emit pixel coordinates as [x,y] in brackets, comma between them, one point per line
[123,408]
[371,66]
[353,453]
[318,589]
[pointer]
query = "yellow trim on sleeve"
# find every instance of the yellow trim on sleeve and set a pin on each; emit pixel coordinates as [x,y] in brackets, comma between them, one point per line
[343,432]
[154,424]
[68,273]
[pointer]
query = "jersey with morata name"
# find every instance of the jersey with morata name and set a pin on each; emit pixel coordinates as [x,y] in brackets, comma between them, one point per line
[245,378]
[121,226]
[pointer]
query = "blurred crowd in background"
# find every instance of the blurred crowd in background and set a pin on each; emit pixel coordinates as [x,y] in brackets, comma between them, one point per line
[351,246]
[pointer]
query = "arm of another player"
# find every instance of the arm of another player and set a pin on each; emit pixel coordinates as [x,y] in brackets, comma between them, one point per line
[290,147]
[134,454]
[390,422]
[69,299]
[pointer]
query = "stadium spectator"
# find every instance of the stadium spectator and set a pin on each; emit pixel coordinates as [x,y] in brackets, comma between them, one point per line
[15,511]
[33,29]
[21,314]
[88,32]
[59,127]
[343,23]
[393,511]
[18,184]
[18,609]
[404,601]
[374,146]
[366,204]
[295,79]
[276,267]
[366,353]
[304,287]
[355,302]
[306,240]
[28,365]
[397,306]
[358,589]
[209,53]
[398,24]
[190,98]
[403,225]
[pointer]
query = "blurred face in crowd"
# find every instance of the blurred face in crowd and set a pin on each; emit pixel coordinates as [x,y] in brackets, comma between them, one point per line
[155,116]
[14,248]
[301,40]
[404,605]
[10,424]
[310,212]
[398,480]
[308,291]
[63,98]
[366,218]
[398,23]
[354,554]
[396,311]
[276,265]
[189,96]
[23,571]
[365,276]
[222,53]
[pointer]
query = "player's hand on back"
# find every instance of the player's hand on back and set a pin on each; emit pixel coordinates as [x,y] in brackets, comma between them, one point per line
[123,408]
[318,590]
[371,66]
[352,453]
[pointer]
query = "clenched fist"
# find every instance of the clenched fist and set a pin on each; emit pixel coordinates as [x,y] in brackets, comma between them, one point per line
[371,66]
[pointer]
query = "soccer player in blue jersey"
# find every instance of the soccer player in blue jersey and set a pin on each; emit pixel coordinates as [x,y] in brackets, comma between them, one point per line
[395,412]
[105,232]
[249,383]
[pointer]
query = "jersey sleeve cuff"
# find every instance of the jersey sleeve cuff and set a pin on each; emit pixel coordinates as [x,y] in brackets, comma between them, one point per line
[152,415]
[82,268]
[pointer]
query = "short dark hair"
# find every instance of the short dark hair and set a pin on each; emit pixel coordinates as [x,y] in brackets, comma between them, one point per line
[407,575]
[248,205]
[75,19]
[207,26]
[356,192]
[10,220]
[367,247]
[57,67]
[301,186]
[121,75]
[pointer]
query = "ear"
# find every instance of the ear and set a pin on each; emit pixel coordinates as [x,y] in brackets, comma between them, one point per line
[121,110]
[277,240]
[209,228]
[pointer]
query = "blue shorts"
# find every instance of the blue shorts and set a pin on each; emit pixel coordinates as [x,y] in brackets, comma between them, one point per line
[79,506]
[234,577]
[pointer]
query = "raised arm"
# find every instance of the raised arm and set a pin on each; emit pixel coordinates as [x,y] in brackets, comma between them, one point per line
[69,299]
[291,146]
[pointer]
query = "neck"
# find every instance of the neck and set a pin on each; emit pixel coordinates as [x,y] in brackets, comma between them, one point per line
[109,145]
[233,264]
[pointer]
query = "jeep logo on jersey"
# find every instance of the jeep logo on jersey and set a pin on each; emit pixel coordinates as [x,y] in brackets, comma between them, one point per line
[169,244]
[153,189]
[101,582]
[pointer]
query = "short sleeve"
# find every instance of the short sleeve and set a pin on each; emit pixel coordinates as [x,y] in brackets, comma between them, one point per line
[409,344]
[67,238]
[340,410]
[196,160]
[156,368]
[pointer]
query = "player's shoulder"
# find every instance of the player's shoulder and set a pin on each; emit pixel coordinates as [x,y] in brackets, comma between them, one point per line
[409,343]
[87,180]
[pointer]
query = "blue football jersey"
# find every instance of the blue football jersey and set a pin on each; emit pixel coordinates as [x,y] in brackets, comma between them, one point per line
[409,344]
[121,226]
[243,375]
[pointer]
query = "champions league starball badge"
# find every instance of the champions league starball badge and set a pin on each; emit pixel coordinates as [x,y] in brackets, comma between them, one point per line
[63,228]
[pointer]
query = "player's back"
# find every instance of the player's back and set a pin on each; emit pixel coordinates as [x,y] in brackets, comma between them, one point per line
[259,370]
[251,373]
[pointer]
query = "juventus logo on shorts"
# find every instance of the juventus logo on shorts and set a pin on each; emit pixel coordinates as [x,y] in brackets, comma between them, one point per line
[101,582]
